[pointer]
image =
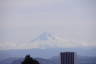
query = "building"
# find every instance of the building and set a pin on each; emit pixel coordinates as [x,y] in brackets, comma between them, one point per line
[68,58]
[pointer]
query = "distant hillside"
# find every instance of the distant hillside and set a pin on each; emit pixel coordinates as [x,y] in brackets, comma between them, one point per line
[53,60]
[46,53]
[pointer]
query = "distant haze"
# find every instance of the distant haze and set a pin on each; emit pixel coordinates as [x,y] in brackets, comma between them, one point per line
[24,20]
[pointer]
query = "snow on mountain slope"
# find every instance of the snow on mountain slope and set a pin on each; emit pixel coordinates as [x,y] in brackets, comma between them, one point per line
[43,41]
[47,40]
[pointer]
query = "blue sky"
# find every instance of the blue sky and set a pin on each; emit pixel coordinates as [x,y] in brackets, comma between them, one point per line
[23,20]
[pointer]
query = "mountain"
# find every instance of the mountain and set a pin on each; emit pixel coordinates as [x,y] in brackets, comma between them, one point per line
[43,41]
[10,60]
[44,36]
[48,40]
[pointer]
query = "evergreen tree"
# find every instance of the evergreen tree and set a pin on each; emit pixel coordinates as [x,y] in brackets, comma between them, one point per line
[29,60]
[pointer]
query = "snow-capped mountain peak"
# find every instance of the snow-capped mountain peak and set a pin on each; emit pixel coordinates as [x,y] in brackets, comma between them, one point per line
[48,40]
[44,40]
[44,36]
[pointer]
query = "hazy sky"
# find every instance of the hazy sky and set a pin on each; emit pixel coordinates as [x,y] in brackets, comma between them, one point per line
[23,20]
